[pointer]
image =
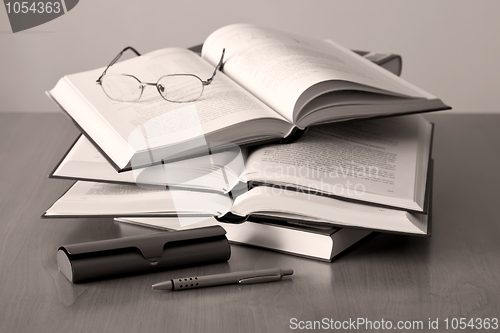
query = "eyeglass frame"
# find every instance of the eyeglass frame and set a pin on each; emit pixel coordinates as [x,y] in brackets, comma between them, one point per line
[144,84]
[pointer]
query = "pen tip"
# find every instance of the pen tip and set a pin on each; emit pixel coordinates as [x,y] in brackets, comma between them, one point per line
[167,285]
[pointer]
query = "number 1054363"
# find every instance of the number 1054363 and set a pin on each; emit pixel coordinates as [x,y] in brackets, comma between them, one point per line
[33,7]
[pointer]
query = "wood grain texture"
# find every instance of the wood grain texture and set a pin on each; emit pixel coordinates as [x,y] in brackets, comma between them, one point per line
[455,273]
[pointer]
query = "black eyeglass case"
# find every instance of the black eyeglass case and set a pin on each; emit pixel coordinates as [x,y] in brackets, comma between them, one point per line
[143,254]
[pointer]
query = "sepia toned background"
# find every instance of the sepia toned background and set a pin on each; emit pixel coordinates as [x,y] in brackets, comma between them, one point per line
[449,47]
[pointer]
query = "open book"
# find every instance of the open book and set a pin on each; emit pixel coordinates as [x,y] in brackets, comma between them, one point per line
[379,161]
[89,199]
[273,85]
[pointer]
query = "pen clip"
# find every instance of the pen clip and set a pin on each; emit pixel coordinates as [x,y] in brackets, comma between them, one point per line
[260,279]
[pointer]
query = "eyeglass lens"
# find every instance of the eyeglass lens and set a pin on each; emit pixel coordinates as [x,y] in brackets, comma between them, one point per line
[122,87]
[180,87]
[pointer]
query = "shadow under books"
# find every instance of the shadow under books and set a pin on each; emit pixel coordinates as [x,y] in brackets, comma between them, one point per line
[390,245]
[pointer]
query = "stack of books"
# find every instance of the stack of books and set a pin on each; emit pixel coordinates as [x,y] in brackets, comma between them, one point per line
[289,146]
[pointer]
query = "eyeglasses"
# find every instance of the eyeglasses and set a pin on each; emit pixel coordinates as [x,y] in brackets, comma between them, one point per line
[179,88]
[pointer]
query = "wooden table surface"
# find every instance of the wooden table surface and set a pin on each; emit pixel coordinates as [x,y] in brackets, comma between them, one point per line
[453,274]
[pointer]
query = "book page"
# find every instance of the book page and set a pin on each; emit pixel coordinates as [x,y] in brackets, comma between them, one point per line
[85,162]
[369,160]
[313,209]
[222,104]
[278,67]
[91,199]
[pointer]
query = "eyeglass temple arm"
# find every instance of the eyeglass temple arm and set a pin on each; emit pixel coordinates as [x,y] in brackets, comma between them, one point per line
[116,59]
[219,66]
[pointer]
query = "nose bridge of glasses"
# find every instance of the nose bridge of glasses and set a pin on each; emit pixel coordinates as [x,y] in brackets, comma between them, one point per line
[158,86]
[144,84]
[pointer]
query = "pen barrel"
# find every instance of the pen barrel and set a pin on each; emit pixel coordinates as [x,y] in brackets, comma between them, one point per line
[200,282]
[223,279]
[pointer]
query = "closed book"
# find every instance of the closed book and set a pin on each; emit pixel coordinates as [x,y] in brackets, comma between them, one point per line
[325,243]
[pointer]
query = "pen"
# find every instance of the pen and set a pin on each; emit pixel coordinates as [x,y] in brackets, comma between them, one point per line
[245,277]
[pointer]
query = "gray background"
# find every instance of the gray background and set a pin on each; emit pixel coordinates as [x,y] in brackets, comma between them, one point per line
[450,48]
